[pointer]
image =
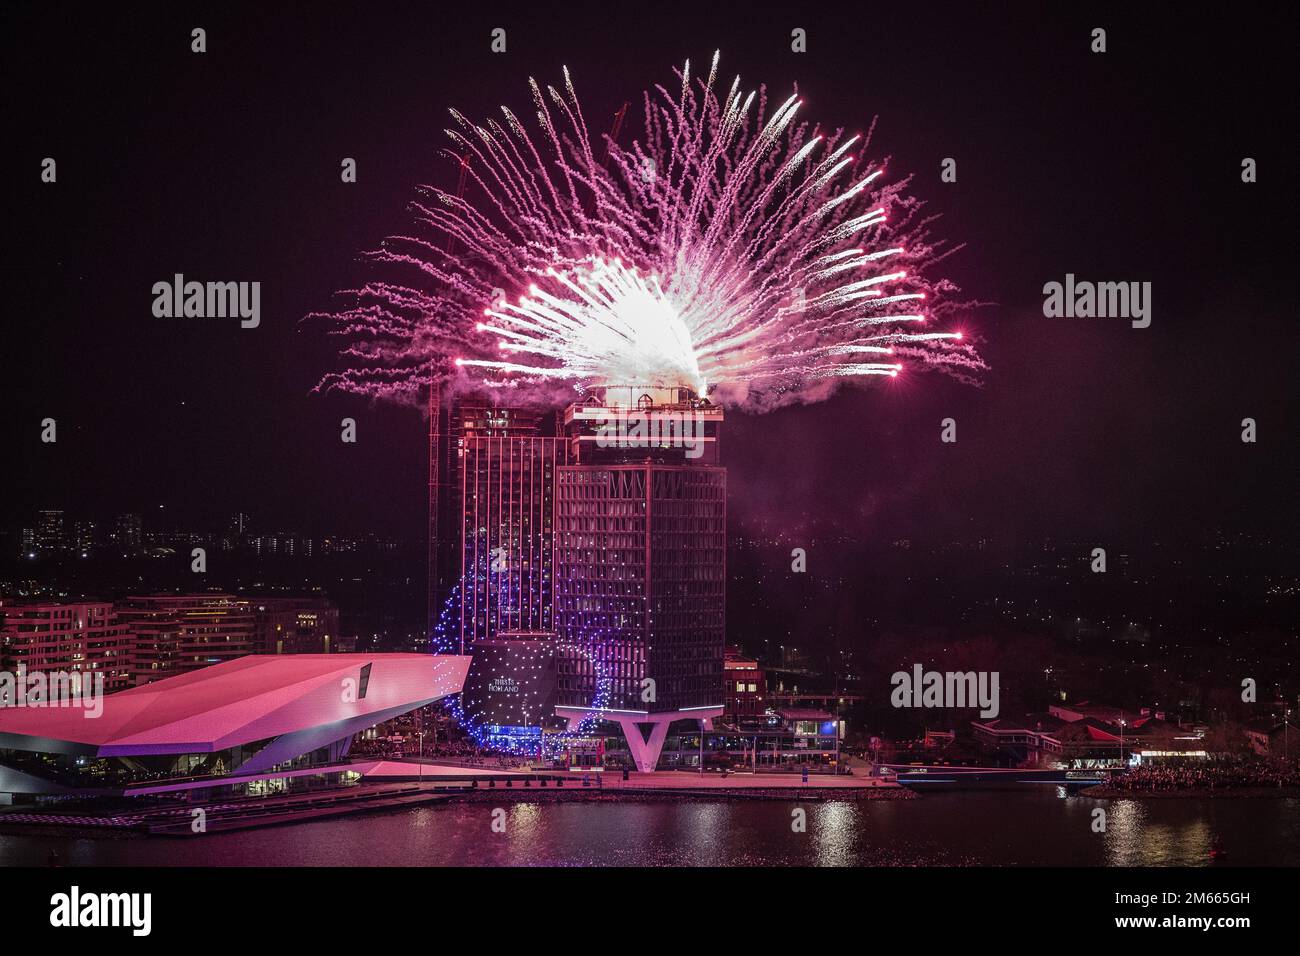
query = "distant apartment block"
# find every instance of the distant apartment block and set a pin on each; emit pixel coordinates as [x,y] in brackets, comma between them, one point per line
[298,625]
[84,636]
[49,531]
[175,634]
[128,532]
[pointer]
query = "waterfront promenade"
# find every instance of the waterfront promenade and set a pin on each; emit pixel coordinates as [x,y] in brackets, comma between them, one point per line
[394,784]
[661,783]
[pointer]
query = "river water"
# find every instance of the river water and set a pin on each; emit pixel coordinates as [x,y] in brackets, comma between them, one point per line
[1025,827]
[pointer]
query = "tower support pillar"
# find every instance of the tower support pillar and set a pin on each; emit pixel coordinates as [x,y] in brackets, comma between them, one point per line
[645,733]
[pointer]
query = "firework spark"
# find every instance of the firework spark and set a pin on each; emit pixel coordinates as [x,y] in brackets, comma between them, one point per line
[737,251]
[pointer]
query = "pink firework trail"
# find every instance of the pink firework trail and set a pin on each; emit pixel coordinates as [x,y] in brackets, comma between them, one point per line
[736,251]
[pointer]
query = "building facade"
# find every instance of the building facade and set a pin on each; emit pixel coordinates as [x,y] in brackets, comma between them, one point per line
[50,531]
[243,727]
[507,474]
[298,625]
[85,637]
[744,687]
[491,488]
[177,633]
[128,532]
[640,560]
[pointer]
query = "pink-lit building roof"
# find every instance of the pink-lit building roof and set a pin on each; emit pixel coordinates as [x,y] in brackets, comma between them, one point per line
[238,702]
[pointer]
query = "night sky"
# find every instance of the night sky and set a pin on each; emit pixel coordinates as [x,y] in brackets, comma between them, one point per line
[1123,166]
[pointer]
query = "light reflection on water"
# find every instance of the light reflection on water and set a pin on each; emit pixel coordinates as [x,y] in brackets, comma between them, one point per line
[1009,827]
[835,828]
[1127,832]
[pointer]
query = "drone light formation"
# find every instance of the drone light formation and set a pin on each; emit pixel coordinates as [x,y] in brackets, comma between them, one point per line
[470,712]
[733,249]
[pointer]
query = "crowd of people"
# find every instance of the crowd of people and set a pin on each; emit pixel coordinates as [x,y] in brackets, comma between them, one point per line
[1209,774]
[461,751]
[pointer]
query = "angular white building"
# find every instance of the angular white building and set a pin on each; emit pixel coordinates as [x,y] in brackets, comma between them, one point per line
[250,718]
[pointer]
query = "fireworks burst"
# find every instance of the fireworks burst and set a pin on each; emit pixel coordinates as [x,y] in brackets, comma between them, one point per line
[732,249]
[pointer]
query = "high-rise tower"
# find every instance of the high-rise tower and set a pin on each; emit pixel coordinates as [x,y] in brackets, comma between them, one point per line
[640,560]
[491,520]
[506,468]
